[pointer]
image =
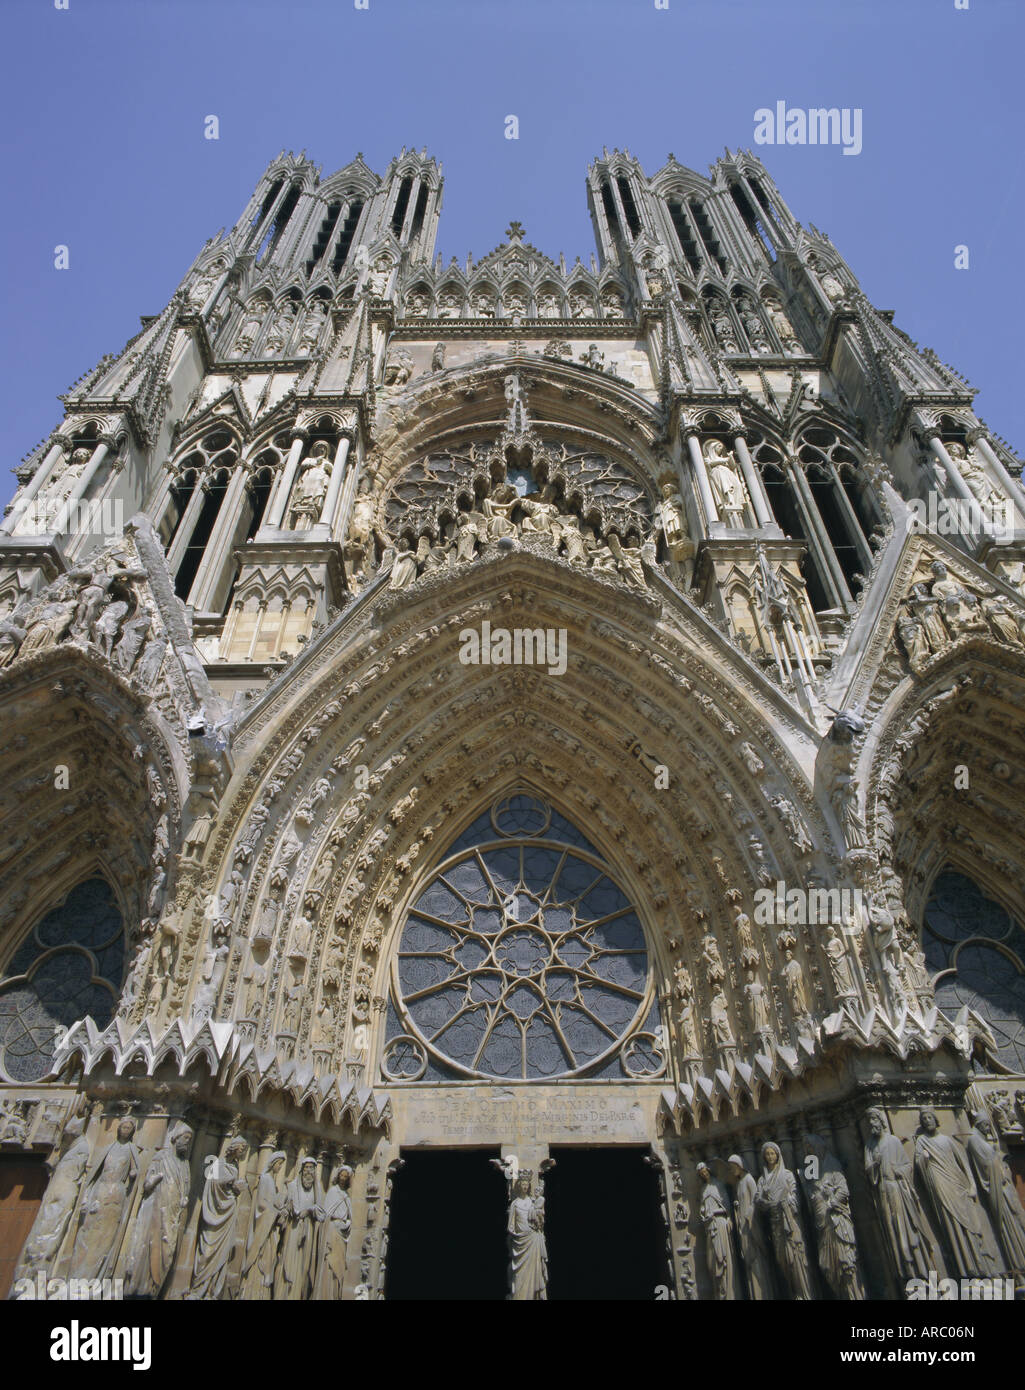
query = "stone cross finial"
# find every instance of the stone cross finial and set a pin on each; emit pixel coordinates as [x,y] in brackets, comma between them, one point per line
[514,231]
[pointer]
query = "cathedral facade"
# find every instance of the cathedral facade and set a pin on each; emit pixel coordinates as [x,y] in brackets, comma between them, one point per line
[485,739]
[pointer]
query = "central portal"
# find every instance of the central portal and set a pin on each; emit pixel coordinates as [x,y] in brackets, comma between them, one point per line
[604,1226]
[447,1227]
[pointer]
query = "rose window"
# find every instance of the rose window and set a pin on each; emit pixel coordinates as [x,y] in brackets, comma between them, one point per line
[522,958]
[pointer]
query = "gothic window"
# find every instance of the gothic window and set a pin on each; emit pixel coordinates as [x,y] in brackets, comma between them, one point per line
[626,197]
[826,460]
[274,231]
[685,235]
[401,202]
[68,966]
[346,235]
[522,959]
[323,240]
[707,235]
[752,220]
[976,954]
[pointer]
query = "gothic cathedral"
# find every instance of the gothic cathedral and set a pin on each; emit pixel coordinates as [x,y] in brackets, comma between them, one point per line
[483,737]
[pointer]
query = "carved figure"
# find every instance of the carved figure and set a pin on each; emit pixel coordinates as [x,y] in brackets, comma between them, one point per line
[158,1222]
[776,1196]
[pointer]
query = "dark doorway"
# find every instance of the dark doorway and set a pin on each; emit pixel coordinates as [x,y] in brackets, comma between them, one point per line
[446,1228]
[22,1184]
[604,1227]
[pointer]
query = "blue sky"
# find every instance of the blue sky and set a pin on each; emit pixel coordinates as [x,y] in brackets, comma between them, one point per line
[104,151]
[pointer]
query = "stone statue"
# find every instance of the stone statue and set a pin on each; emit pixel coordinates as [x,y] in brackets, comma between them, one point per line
[260,1260]
[728,492]
[758,1006]
[754,1249]
[310,489]
[540,513]
[130,643]
[776,1196]
[718,1014]
[302,1213]
[830,1201]
[793,978]
[889,1173]
[783,326]
[51,1223]
[527,1250]
[106,1196]
[158,1222]
[218,1219]
[913,638]
[334,1236]
[438,357]
[498,508]
[715,1217]
[839,964]
[997,1192]
[403,568]
[568,535]
[942,1166]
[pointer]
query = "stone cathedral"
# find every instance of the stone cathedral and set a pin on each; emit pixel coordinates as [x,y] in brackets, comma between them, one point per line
[488,742]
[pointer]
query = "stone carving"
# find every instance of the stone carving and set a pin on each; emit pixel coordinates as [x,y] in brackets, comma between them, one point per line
[776,1196]
[310,488]
[158,1223]
[997,1192]
[754,1249]
[222,1185]
[890,1174]
[259,1262]
[839,964]
[830,1201]
[399,367]
[302,1213]
[715,1217]
[728,491]
[54,1215]
[106,1197]
[335,1233]
[945,1174]
[528,1253]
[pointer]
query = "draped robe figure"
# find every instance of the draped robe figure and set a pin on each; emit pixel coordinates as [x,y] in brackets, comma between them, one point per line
[528,1252]
[754,1250]
[218,1220]
[889,1173]
[158,1222]
[260,1260]
[776,1195]
[51,1223]
[830,1201]
[943,1167]
[997,1192]
[108,1189]
[334,1236]
[303,1211]
[715,1218]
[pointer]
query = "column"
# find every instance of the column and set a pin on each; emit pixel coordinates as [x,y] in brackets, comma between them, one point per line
[753,479]
[81,487]
[177,548]
[697,459]
[276,506]
[211,570]
[38,480]
[818,536]
[334,487]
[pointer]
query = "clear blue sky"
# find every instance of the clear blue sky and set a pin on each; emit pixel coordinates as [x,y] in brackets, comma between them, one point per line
[104,151]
